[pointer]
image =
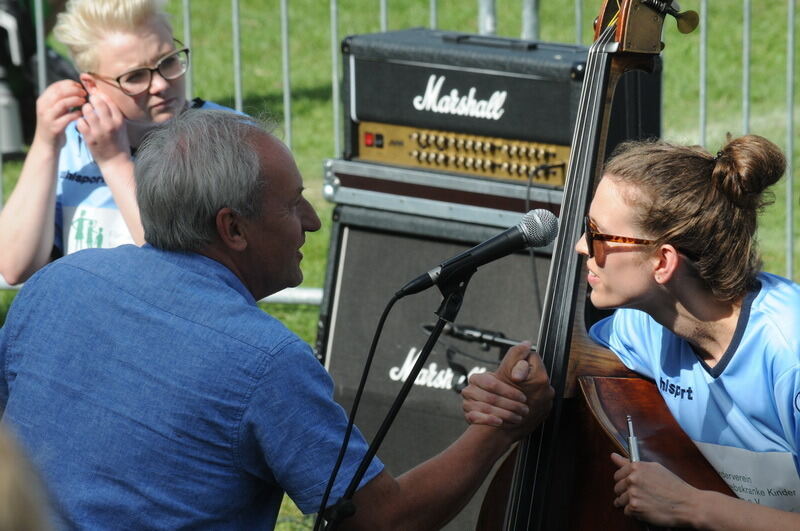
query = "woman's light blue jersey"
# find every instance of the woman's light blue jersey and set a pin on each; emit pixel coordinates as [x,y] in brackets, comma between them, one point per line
[743,413]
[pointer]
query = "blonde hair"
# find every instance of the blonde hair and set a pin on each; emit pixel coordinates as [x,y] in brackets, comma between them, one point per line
[85,23]
[22,499]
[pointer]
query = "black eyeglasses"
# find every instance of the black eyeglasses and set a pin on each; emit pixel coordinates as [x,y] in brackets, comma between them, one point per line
[138,81]
[591,234]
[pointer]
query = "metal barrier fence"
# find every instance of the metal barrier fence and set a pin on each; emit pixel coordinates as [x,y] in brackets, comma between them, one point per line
[487,25]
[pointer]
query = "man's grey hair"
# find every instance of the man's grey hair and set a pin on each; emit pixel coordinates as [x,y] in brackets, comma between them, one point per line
[189,168]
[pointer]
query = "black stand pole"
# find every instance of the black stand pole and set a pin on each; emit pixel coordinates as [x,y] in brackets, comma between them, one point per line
[453,293]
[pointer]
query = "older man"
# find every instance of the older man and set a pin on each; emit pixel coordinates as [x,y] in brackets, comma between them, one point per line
[152,392]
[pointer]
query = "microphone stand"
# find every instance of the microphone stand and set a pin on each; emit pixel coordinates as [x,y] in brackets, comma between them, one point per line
[453,296]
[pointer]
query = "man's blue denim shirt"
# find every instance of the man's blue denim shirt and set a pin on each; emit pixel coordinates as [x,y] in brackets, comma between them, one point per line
[152,393]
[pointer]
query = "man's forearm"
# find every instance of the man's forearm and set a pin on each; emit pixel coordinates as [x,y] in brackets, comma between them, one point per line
[431,494]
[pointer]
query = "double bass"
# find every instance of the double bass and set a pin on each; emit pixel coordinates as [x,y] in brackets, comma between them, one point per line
[561,476]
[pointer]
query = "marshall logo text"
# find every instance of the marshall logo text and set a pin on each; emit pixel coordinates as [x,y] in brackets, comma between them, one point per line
[454,103]
[430,376]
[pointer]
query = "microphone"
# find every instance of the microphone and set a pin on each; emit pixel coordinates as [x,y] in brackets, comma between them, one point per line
[488,337]
[479,335]
[537,229]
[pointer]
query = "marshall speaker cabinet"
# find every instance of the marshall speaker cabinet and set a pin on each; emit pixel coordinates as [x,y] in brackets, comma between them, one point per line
[374,253]
[449,139]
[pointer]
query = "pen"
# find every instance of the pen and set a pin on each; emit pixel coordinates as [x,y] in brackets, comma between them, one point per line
[633,442]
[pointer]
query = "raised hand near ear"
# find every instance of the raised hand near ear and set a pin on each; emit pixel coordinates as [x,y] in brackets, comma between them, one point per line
[103,126]
[57,106]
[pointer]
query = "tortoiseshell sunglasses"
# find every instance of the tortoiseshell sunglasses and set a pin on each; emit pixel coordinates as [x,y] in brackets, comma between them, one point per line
[591,234]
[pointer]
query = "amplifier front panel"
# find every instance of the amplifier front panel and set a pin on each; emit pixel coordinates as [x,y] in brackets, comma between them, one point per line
[482,156]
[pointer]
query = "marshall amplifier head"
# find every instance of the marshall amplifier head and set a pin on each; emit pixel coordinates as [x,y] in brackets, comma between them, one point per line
[478,106]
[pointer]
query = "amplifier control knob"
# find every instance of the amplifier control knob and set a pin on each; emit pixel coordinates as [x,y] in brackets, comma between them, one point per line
[415,136]
[523,152]
[478,164]
[478,145]
[523,169]
[469,162]
[460,144]
[468,145]
[512,151]
[441,142]
[441,158]
[487,147]
[504,166]
[490,165]
[504,149]
[513,168]
[423,140]
[459,162]
[414,154]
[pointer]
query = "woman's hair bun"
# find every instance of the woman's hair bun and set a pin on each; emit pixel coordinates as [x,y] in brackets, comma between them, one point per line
[745,167]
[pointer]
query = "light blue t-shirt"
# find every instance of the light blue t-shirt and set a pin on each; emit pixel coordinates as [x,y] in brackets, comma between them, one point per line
[744,413]
[87,217]
[152,393]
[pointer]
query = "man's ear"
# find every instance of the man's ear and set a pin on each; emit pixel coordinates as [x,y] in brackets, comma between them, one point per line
[667,261]
[231,230]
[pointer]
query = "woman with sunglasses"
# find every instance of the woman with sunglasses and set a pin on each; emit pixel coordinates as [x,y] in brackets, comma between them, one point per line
[670,241]
[76,188]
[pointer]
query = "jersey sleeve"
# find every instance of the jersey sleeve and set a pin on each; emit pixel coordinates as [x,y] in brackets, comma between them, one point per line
[629,335]
[295,430]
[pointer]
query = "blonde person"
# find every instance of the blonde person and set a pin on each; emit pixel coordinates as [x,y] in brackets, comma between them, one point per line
[76,188]
[22,500]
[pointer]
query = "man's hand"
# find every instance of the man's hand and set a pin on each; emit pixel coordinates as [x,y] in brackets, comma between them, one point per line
[518,396]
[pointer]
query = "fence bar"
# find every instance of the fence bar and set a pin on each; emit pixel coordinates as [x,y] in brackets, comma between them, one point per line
[187,40]
[790,140]
[746,67]
[337,143]
[703,68]
[487,20]
[41,61]
[237,55]
[311,296]
[287,84]
[530,20]
[384,16]
[434,15]
[578,22]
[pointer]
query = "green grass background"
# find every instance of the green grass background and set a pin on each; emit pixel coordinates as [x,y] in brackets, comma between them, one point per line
[312,119]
